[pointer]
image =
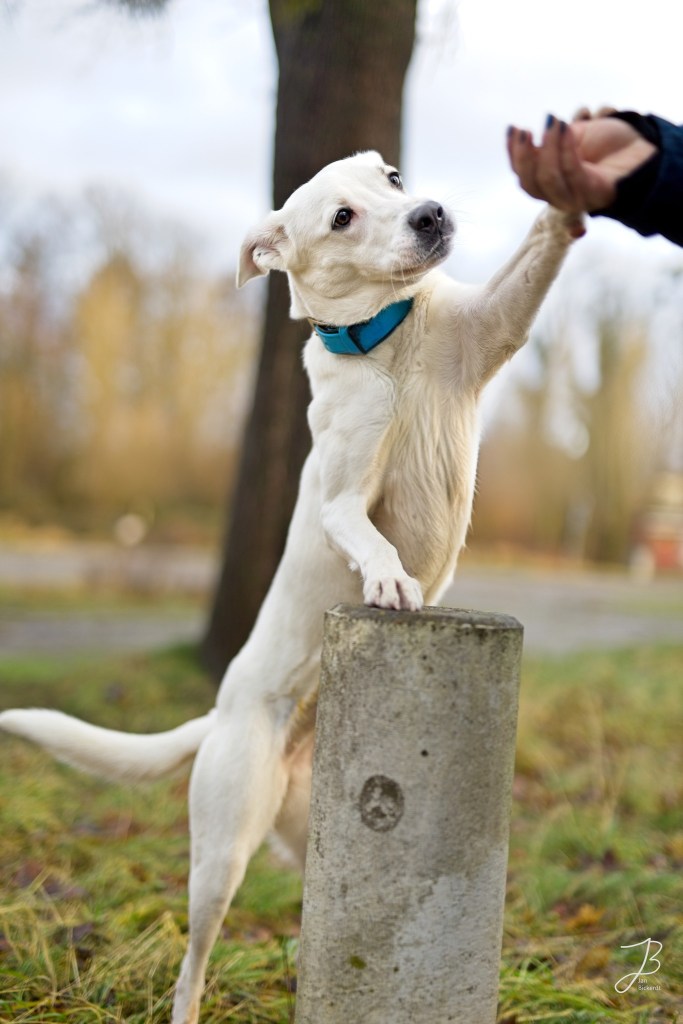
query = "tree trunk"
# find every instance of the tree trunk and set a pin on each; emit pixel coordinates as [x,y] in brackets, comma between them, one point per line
[342,66]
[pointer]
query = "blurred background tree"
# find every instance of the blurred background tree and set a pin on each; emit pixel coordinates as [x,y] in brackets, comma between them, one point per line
[571,459]
[33,376]
[123,390]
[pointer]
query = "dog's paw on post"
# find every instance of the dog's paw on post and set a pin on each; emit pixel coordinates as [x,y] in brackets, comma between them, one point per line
[400,593]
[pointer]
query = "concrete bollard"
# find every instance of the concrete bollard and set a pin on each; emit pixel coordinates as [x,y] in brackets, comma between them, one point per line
[408,834]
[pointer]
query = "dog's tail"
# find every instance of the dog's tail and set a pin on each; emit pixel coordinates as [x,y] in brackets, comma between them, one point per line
[119,756]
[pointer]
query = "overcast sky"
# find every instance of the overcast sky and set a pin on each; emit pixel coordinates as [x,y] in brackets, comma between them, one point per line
[179,110]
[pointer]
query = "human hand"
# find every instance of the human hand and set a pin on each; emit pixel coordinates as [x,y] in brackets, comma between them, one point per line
[577,166]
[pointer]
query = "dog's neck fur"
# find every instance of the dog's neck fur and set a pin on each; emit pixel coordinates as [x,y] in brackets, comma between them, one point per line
[348,307]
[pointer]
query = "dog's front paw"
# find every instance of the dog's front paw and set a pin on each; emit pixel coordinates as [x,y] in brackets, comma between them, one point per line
[397,592]
[573,223]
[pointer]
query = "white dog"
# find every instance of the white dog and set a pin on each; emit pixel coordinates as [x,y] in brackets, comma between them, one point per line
[383,507]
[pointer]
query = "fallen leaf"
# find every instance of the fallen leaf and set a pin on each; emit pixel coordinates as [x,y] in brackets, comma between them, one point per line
[594,960]
[80,931]
[587,916]
[674,849]
[139,871]
[31,871]
[610,860]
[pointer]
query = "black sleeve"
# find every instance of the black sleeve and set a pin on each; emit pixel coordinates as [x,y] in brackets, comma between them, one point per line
[650,200]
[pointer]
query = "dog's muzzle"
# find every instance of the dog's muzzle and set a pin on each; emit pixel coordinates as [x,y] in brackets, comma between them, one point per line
[432,224]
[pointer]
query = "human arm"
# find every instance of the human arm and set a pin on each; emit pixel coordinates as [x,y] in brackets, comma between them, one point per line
[625,166]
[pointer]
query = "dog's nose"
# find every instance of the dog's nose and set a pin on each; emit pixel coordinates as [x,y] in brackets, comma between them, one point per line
[427,218]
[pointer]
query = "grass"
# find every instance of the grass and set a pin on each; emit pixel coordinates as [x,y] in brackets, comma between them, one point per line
[93,908]
[597,839]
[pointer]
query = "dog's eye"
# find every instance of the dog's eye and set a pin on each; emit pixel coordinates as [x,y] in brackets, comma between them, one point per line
[395,179]
[342,217]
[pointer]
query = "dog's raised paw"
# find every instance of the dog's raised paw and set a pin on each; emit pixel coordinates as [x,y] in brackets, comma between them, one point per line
[400,593]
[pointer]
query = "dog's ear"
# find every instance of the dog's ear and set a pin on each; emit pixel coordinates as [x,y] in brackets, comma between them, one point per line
[264,249]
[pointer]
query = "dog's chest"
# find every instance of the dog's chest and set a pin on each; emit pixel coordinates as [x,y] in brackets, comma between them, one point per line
[405,435]
[426,484]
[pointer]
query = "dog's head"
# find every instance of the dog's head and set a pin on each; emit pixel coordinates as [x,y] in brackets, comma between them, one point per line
[351,240]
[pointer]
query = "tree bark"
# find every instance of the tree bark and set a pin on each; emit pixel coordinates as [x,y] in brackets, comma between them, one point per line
[342,66]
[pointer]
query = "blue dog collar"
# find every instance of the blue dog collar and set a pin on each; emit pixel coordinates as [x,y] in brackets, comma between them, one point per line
[359,339]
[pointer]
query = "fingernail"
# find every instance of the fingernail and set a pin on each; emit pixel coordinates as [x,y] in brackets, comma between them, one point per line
[522,136]
[563,127]
[549,122]
[510,131]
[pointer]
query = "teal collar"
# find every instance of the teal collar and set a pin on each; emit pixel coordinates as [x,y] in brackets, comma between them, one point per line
[359,339]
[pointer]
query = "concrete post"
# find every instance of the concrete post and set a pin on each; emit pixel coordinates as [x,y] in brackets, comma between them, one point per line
[408,835]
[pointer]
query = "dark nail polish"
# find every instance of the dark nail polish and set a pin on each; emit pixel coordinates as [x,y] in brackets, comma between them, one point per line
[563,127]
[549,122]
[522,136]
[510,131]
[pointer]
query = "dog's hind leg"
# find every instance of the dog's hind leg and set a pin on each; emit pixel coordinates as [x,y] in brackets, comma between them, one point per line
[243,766]
[291,825]
[238,782]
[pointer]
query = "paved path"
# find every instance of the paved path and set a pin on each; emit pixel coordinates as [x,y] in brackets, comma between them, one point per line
[560,610]
[97,632]
[149,574]
[568,611]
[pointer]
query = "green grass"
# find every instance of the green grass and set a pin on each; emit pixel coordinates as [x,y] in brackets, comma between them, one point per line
[597,839]
[93,909]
